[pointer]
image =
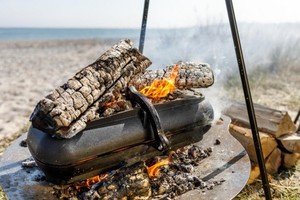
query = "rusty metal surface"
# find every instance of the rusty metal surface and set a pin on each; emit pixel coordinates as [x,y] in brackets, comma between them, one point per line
[228,161]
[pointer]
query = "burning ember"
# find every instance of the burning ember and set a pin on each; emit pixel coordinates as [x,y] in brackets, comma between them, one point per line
[153,171]
[88,183]
[169,177]
[161,88]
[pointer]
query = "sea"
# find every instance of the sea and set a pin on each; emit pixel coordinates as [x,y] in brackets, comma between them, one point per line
[75,33]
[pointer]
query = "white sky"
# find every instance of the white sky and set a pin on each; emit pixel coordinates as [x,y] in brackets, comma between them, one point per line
[128,13]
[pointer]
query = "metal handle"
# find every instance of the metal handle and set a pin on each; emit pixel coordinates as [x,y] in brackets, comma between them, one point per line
[162,143]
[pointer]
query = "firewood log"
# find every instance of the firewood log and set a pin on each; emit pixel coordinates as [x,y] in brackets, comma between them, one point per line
[191,75]
[290,143]
[290,159]
[127,183]
[254,173]
[273,161]
[269,120]
[244,136]
[67,109]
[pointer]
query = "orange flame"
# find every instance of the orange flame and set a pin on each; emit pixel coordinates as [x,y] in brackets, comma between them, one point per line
[153,171]
[161,88]
[88,183]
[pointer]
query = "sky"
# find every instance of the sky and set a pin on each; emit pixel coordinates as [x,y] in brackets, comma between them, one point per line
[128,13]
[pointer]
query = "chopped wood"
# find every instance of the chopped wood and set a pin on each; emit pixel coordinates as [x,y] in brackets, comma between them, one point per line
[290,159]
[269,120]
[191,75]
[67,109]
[244,136]
[290,143]
[254,174]
[273,161]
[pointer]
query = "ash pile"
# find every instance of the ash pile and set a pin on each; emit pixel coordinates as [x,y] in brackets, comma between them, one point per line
[157,178]
[101,90]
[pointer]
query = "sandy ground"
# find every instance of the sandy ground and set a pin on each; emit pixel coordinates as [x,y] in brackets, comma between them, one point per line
[29,70]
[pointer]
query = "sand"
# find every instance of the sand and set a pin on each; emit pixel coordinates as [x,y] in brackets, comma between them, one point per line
[29,70]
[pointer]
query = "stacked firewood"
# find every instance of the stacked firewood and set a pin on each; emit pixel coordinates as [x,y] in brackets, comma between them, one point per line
[98,90]
[280,143]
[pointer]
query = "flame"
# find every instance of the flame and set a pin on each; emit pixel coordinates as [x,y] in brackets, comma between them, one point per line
[88,183]
[153,171]
[161,88]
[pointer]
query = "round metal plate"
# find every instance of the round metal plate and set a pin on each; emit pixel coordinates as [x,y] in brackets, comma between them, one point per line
[228,161]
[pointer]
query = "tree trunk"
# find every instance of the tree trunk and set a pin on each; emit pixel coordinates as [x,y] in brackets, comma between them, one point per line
[68,108]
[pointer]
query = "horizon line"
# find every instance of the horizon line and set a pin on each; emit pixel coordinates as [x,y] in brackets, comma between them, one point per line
[183,27]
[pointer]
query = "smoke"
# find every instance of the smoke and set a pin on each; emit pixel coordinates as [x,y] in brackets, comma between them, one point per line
[266,47]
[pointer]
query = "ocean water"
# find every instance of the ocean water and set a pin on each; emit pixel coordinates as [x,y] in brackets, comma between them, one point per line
[262,44]
[75,33]
[65,33]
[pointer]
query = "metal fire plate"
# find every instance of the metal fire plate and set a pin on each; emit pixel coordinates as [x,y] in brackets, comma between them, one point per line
[228,161]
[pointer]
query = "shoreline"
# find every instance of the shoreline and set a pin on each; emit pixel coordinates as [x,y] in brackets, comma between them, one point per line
[31,69]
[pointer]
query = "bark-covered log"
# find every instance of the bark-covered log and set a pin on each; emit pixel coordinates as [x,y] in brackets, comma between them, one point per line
[190,75]
[269,120]
[68,108]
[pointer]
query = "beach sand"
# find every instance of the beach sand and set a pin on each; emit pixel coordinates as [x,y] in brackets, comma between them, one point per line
[29,70]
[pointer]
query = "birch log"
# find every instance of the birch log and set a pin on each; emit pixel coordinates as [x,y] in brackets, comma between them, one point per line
[67,109]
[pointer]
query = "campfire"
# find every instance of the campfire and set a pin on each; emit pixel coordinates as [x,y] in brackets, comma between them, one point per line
[117,130]
[161,88]
[168,177]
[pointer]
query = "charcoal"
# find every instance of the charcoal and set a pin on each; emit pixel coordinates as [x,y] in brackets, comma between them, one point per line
[115,107]
[29,163]
[127,183]
[210,186]
[23,143]
[191,75]
[217,142]
[67,109]
[179,174]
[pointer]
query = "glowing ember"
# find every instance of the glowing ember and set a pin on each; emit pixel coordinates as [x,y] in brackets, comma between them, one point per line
[110,103]
[161,88]
[153,171]
[88,183]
